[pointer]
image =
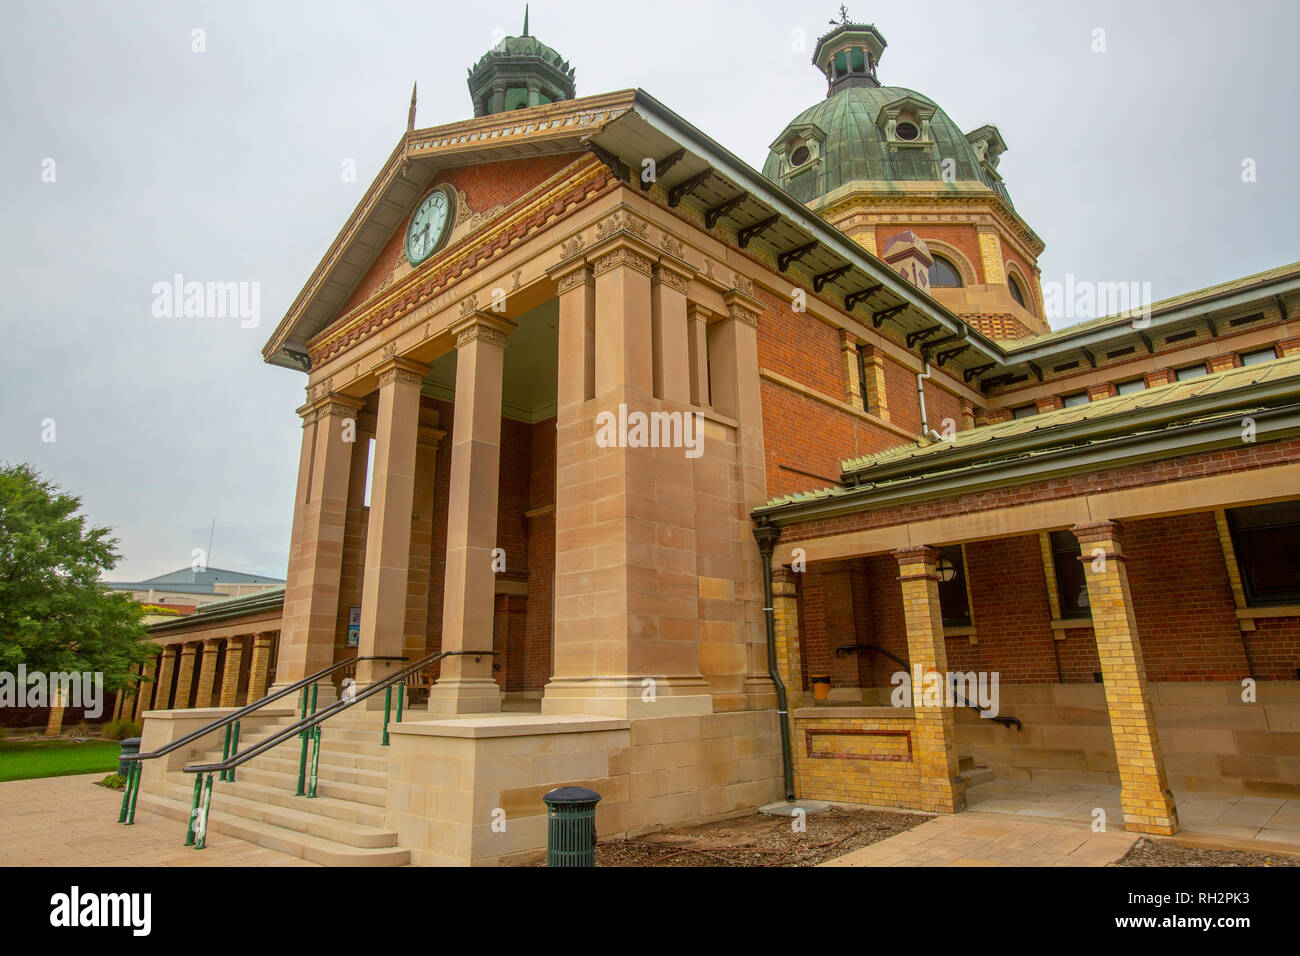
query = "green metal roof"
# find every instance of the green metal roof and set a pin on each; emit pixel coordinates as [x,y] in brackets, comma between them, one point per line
[1124,416]
[227,608]
[855,148]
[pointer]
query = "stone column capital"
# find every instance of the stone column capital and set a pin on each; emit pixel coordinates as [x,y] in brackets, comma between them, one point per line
[481,326]
[572,274]
[672,275]
[402,371]
[742,306]
[1095,534]
[698,313]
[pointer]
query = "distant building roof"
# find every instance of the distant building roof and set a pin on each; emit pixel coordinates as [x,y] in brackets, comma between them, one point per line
[191,581]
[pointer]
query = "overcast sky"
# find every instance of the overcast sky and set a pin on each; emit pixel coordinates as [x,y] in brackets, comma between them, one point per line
[226,164]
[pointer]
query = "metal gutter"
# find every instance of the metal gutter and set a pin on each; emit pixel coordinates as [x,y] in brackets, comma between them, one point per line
[253,603]
[1271,424]
[1269,392]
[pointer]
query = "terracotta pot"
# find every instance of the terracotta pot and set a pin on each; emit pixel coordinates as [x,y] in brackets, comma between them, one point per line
[821,686]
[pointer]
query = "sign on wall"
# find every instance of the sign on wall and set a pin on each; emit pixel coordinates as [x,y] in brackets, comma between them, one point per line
[354,625]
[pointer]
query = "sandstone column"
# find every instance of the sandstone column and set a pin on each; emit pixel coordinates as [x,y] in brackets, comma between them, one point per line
[627,592]
[144,696]
[166,668]
[207,672]
[1144,791]
[311,596]
[388,534]
[697,330]
[935,738]
[230,676]
[465,684]
[185,674]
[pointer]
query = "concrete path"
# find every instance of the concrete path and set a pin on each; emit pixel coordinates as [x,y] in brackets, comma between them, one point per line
[993,839]
[68,821]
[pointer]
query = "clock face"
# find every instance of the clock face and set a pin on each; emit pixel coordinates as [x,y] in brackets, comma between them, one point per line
[428,225]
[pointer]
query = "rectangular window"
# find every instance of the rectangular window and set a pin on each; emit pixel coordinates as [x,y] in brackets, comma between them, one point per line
[1191,371]
[862,378]
[1024,411]
[1131,386]
[1071,584]
[953,604]
[1266,539]
[1072,401]
[1257,356]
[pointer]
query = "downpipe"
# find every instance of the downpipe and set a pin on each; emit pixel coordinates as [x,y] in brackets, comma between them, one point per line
[766,535]
[920,395]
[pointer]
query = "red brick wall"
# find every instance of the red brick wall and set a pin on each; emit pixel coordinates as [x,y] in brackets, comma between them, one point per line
[1182,600]
[1010,610]
[485,186]
[799,346]
[1274,648]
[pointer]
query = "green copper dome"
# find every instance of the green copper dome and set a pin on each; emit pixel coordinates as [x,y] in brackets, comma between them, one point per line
[517,73]
[865,132]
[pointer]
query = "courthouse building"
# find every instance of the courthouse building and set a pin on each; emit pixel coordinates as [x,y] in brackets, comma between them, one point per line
[853,397]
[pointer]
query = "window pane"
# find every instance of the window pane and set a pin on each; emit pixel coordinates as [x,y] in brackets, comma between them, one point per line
[1266,539]
[943,274]
[1079,398]
[1071,584]
[1259,355]
[1192,371]
[952,593]
[1129,387]
[1015,290]
[1024,411]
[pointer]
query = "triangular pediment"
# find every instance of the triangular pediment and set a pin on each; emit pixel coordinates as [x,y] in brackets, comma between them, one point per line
[365,252]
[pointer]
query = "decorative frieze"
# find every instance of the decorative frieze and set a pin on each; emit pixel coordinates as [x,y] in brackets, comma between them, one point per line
[624,221]
[672,245]
[671,277]
[400,375]
[572,246]
[575,277]
[624,256]
[469,305]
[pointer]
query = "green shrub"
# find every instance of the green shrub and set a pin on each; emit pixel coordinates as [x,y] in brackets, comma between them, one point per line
[121,729]
[114,781]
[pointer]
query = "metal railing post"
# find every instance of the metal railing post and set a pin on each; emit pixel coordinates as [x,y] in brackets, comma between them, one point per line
[388,701]
[207,809]
[194,809]
[315,761]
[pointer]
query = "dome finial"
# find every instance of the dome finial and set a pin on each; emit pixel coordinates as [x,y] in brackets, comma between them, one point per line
[844,16]
[525,33]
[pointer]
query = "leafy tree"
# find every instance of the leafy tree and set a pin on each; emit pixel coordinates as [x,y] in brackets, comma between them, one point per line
[55,615]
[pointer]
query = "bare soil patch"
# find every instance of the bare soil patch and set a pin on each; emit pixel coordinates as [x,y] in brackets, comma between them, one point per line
[758,840]
[1151,853]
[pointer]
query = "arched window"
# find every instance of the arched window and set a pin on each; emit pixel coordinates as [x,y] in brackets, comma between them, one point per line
[1016,292]
[944,275]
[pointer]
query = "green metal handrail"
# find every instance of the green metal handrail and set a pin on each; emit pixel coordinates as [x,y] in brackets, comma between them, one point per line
[309,729]
[131,791]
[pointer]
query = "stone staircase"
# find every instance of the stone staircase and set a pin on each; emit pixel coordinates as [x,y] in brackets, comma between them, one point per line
[971,775]
[342,826]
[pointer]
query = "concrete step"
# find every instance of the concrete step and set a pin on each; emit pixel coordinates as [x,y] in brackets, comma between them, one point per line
[301,818]
[307,846]
[325,787]
[326,769]
[346,810]
[976,776]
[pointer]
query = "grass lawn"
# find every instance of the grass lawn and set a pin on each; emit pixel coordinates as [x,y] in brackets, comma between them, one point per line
[29,759]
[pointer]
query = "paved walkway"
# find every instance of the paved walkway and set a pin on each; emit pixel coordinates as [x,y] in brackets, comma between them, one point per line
[1242,820]
[991,839]
[68,821]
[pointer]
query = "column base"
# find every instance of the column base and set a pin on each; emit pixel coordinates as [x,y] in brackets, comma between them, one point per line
[628,696]
[475,695]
